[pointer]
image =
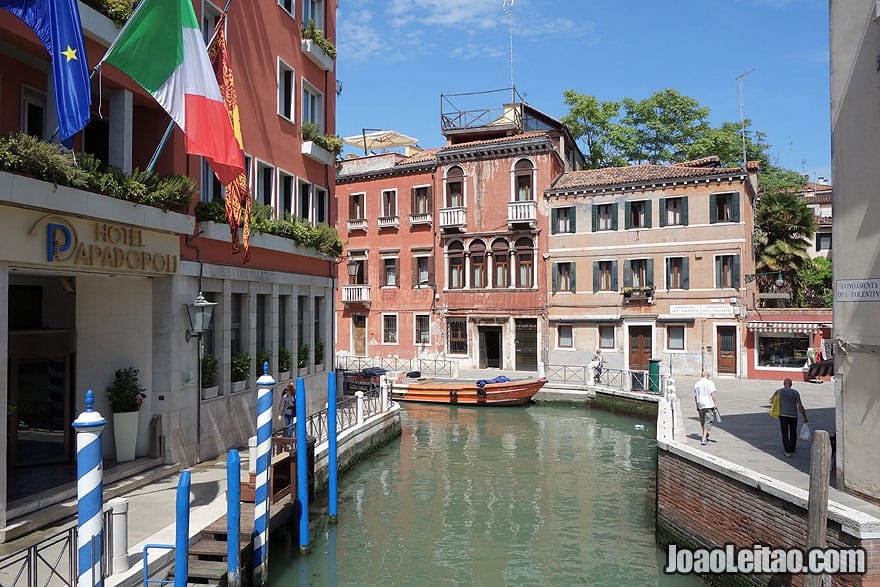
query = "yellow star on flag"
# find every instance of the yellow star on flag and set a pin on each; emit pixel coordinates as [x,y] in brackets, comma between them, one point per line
[70,53]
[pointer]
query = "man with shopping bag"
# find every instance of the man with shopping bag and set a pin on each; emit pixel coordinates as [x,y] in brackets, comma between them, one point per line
[789,405]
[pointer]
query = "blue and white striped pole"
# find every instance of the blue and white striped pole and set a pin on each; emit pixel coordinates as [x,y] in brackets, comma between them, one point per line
[181,531]
[302,476]
[89,494]
[265,385]
[332,448]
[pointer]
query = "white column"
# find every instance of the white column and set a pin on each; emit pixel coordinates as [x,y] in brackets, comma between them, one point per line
[121,130]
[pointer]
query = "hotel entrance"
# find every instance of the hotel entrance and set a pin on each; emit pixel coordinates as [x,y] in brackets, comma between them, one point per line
[42,347]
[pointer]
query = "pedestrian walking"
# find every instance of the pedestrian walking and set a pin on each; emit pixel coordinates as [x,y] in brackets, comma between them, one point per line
[598,364]
[287,408]
[789,405]
[704,397]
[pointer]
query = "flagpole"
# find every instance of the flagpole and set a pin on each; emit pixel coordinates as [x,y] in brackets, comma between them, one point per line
[170,128]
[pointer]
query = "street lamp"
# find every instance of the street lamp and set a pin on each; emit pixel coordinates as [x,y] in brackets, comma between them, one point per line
[199,314]
[753,276]
[352,267]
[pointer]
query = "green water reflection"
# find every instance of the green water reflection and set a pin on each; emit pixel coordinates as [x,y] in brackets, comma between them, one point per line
[542,495]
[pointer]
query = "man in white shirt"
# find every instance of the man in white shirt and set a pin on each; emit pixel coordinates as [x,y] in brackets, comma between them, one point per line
[704,396]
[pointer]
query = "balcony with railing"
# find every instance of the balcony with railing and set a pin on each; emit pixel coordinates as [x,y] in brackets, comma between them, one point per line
[357,224]
[356,294]
[525,212]
[389,222]
[420,218]
[453,218]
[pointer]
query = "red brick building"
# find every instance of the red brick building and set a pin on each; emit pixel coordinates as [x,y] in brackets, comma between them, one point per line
[447,243]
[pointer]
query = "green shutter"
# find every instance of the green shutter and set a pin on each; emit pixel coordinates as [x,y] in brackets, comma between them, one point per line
[594,210]
[554,220]
[649,272]
[713,208]
[572,279]
[685,274]
[648,213]
[735,279]
[627,274]
[595,276]
[734,207]
[662,212]
[627,211]
[718,280]
[684,211]
[614,224]
[572,220]
[614,275]
[555,277]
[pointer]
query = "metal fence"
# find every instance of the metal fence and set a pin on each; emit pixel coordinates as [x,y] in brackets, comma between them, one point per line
[52,562]
[437,367]
[618,379]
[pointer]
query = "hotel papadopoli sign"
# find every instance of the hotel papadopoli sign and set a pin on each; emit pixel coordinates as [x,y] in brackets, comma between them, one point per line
[91,245]
[857,290]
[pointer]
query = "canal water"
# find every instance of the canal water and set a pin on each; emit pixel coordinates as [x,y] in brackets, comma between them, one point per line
[538,495]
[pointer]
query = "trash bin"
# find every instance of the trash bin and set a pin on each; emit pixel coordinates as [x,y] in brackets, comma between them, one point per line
[654,375]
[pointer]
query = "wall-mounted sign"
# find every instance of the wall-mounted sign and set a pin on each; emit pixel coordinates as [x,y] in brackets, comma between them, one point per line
[857,290]
[703,310]
[90,245]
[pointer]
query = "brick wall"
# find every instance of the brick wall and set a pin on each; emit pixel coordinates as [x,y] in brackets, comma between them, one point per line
[700,507]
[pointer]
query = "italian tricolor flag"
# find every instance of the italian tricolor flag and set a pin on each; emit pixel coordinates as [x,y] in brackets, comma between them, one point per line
[161,48]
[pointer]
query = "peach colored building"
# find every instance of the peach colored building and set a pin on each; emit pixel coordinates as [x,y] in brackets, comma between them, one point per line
[651,262]
[448,243]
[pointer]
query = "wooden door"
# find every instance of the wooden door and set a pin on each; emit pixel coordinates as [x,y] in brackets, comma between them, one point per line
[526,343]
[639,347]
[726,354]
[359,334]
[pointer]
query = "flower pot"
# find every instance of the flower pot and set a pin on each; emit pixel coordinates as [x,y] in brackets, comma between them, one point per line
[125,429]
[239,386]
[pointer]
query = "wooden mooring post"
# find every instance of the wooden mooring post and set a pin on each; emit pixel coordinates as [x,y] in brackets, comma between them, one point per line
[817,508]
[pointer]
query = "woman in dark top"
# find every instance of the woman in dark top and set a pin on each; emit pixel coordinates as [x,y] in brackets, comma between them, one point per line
[789,404]
[287,408]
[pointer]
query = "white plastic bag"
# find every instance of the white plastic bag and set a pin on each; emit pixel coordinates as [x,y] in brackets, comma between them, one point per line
[805,432]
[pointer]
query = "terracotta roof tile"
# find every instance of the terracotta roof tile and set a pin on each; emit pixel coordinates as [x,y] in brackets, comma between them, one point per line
[421,157]
[635,174]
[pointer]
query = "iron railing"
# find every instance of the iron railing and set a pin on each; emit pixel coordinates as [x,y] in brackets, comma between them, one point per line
[432,367]
[53,560]
[619,379]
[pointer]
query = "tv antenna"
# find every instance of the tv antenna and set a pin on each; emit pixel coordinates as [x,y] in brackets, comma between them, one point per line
[742,120]
[507,6]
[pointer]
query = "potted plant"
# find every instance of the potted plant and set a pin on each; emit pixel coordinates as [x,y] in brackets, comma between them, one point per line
[302,356]
[263,356]
[126,397]
[319,352]
[240,369]
[285,360]
[210,366]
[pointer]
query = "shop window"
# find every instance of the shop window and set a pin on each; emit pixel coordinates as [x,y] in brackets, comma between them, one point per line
[782,350]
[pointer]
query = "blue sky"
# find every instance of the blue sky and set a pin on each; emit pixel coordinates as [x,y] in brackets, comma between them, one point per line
[396,57]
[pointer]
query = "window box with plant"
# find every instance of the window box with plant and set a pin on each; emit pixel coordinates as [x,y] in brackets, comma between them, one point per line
[322,148]
[302,357]
[239,371]
[126,397]
[210,365]
[317,47]
[285,362]
[645,291]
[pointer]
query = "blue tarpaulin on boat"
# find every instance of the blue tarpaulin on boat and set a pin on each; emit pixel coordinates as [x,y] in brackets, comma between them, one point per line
[373,372]
[499,379]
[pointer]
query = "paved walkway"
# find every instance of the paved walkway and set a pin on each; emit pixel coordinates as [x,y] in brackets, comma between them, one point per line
[750,437]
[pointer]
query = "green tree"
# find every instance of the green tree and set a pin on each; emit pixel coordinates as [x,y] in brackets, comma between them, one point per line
[815,279]
[726,141]
[594,124]
[784,228]
[661,128]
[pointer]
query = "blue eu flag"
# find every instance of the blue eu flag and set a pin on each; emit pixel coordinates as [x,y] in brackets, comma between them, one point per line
[56,23]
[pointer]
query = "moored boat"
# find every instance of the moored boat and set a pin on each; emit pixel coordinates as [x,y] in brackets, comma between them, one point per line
[495,392]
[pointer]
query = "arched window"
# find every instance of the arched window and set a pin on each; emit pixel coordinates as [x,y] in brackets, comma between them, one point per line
[500,263]
[525,263]
[455,253]
[523,173]
[455,187]
[478,264]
